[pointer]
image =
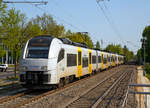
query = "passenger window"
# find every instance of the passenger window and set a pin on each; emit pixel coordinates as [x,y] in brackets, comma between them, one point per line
[61,55]
[94,59]
[99,59]
[85,62]
[71,60]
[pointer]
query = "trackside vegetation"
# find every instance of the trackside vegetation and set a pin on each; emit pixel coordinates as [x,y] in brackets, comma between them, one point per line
[147,69]
[140,53]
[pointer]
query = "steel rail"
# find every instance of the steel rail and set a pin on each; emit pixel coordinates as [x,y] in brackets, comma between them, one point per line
[93,87]
[99,100]
[52,92]
[9,98]
[126,95]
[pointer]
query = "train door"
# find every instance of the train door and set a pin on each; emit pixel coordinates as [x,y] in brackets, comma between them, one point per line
[79,62]
[90,61]
[113,60]
[102,61]
[107,61]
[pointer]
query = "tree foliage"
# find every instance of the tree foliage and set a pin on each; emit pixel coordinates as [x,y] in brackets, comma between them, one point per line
[2,9]
[119,50]
[139,56]
[146,33]
[48,25]
[2,51]
[97,45]
[80,38]
[114,48]
[12,25]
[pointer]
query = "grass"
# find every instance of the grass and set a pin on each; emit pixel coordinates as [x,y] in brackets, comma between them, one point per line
[11,65]
[148,76]
[147,69]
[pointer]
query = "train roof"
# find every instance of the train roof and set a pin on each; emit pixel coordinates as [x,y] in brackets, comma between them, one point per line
[69,42]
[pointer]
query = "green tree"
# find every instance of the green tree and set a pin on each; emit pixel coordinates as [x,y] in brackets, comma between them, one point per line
[29,31]
[80,38]
[139,56]
[97,45]
[114,48]
[119,50]
[146,33]
[128,54]
[2,9]
[12,25]
[2,51]
[48,25]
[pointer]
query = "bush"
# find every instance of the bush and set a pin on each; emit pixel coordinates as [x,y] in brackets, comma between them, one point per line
[147,69]
[148,76]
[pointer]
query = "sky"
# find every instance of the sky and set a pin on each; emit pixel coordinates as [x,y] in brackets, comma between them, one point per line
[109,22]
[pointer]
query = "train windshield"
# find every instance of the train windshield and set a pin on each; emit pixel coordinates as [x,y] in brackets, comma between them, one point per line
[38,47]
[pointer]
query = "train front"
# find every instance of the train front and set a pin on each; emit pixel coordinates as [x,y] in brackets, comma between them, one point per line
[37,66]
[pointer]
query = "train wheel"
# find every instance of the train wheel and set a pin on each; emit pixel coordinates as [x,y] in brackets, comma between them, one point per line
[61,83]
[71,79]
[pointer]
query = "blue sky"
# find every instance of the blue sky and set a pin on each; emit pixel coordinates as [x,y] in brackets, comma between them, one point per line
[128,16]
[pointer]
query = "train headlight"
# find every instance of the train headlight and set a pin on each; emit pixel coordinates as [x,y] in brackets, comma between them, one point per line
[44,68]
[23,68]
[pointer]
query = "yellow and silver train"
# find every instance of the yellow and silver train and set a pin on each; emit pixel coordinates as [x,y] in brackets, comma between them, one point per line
[47,61]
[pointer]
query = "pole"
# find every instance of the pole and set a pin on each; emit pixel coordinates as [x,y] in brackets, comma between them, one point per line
[36,2]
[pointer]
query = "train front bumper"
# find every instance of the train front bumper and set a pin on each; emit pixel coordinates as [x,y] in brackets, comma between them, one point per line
[32,77]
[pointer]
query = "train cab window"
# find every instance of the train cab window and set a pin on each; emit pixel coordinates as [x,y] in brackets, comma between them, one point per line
[90,58]
[61,55]
[79,58]
[99,59]
[38,47]
[93,59]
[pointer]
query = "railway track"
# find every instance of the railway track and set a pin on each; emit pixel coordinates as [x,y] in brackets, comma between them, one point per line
[28,99]
[95,95]
[14,101]
[62,98]
[115,95]
[10,90]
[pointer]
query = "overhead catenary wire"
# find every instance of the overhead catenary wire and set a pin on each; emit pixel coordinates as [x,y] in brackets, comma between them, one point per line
[112,24]
[74,17]
[66,22]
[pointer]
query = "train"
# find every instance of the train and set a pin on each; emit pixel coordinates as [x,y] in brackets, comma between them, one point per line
[47,62]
